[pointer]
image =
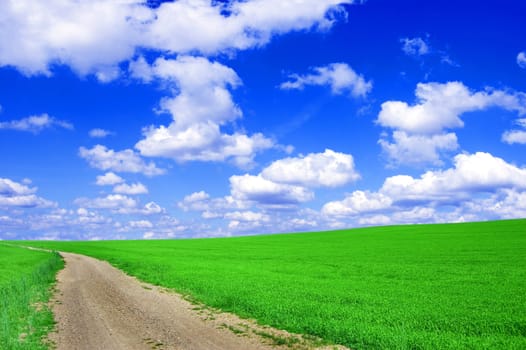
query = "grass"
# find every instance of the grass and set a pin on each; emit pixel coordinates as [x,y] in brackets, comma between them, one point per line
[26,277]
[449,286]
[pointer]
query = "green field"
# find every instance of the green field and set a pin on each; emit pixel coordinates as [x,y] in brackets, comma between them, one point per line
[445,286]
[25,280]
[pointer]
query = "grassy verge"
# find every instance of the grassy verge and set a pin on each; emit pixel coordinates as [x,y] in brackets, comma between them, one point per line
[26,278]
[448,286]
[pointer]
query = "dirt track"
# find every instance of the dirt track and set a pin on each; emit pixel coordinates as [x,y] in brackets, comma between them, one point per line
[97,306]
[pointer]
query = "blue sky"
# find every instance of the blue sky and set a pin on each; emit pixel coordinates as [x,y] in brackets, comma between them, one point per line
[195,118]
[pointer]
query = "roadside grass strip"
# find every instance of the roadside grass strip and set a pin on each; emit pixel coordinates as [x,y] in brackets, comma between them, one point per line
[26,279]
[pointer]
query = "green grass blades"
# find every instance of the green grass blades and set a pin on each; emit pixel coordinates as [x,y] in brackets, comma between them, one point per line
[451,286]
[26,277]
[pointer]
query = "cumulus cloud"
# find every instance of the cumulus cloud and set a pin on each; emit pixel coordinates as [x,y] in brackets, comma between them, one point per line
[110,178]
[94,36]
[439,106]
[133,189]
[521,59]
[284,184]
[201,105]
[89,36]
[327,169]
[151,208]
[111,201]
[287,181]
[100,157]
[202,142]
[403,197]
[140,224]
[357,203]
[14,194]
[200,87]
[417,149]
[414,46]
[340,77]
[89,223]
[120,204]
[258,189]
[420,134]
[507,204]
[247,216]
[210,208]
[195,201]
[35,124]
[516,135]
[99,133]
[249,23]
[479,172]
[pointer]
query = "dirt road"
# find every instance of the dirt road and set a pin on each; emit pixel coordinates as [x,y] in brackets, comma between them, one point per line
[99,307]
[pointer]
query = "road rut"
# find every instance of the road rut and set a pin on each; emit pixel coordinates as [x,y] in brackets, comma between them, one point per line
[97,306]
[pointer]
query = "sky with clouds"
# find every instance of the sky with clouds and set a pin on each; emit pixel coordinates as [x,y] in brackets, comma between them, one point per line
[202,118]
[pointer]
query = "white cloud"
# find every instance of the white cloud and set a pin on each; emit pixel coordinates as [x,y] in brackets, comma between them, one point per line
[414,46]
[514,136]
[197,201]
[419,48]
[25,201]
[479,172]
[282,185]
[509,204]
[339,76]
[521,59]
[247,216]
[133,189]
[465,188]
[112,201]
[258,189]
[201,105]
[356,203]
[151,208]
[148,235]
[94,36]
[202,142]
[521,122]
[100,157]
[99,133]
[439,106]
[11,188]
[122,204]
[110,178]
[14,194]
[85,218]
[200,88]
[419,134]
[329,169]
[418,149]
[35,124]
[210,208]
[140,224]
[82,212]
[89,36]
[87,224]
[375,220]
[415,215]
[186,26]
